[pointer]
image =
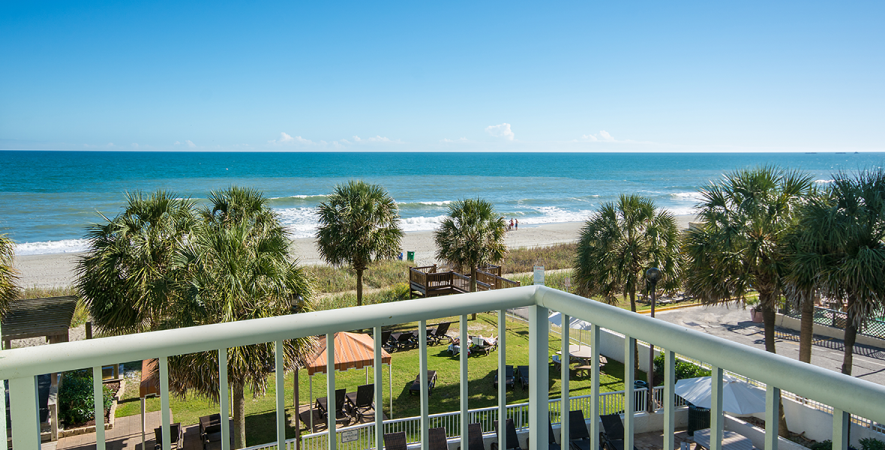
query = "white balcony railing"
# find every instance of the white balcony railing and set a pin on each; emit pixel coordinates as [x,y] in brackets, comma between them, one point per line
[843,393]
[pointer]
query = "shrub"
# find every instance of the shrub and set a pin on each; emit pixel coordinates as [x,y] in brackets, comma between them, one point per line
[871,444]
[75,398]
[683,370]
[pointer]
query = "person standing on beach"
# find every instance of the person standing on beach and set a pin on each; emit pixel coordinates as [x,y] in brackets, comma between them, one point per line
[511,225]
[517,225]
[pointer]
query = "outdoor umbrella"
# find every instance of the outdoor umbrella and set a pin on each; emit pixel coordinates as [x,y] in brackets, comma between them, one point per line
[573,323]
[738,397]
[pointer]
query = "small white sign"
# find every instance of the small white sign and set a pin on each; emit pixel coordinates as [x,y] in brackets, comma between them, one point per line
[350,436]
[539,275]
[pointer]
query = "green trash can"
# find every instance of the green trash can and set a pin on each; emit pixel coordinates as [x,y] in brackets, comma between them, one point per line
[698,418]
[411,256]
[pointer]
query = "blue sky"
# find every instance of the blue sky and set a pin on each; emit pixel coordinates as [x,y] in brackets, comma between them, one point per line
[443,76]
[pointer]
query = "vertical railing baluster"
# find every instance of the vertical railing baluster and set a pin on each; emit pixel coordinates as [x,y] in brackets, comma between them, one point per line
[772,414]
[594,390]
[502,382]
[4,439]
[669,400]
[25,416]
[224,398]
[564,374]
[464,345]
[280,377]
[716,418]
[841,422]
[165,412]
[98,398]
[422,374]
[379,390]
[331,400]
[538,374]
[629,393]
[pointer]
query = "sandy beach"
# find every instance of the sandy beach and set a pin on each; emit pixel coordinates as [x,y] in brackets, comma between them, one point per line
[59,270]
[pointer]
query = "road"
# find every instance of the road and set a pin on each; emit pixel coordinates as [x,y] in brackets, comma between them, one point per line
[733,323]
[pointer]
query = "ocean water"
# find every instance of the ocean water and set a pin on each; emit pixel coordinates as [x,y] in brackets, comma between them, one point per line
[47,199]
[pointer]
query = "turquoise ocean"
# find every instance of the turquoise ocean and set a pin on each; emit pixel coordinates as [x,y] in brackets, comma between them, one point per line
[48,198]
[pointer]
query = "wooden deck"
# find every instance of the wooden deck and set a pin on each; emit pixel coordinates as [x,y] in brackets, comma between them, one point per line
[426,281]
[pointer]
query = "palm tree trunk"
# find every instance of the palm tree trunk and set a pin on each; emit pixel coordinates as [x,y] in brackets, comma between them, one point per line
[850,339]
[359,287]
[239,411]
[769,315]
[806,329]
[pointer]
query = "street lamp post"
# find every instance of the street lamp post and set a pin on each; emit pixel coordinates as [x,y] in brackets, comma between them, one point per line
[653,275]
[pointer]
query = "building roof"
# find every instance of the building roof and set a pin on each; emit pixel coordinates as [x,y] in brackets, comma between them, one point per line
[39,317]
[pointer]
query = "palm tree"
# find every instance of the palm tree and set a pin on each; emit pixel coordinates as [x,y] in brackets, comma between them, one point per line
[238,268]
[8,276]
[359,224]
[156,266]
[747,218]
[619,243]
[841,249]
[471,236]
[127,279]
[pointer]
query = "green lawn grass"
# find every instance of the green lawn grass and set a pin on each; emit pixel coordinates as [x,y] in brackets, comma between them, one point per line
[260,411]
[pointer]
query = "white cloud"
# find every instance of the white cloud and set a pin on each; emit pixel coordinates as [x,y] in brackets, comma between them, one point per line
[454,141]
[177,143]
[602,136]
[378,139]
[190,144]
[589,137]
[373,140]
[286,139]
[503,130]
[605,136]
[134,145]
[110,144]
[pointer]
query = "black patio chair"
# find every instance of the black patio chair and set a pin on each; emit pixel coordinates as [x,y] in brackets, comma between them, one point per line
[436,439]
[177,436]
[438,335]
[578,436]
[512,437]
[551,437]
[361,401]
[340,399]
[211,434]
[415,388]
[509,379]
[523,374]
[406,340]
[613,434]
[474,437]
[395,441]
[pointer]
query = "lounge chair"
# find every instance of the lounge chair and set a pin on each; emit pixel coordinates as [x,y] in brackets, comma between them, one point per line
[405,341]
[578,436]
[523,373]
[415,388]
[613,434]
[509,379]
[395,441]
[474,437]
[386,343]
[436,439]
[479,344]
[438,334]
[361,401]
[512,438]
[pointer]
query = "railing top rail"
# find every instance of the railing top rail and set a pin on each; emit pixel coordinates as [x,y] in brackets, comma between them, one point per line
[31,361]
[843,392]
